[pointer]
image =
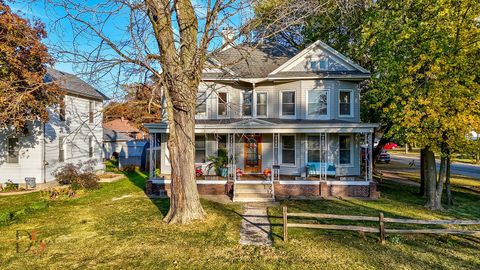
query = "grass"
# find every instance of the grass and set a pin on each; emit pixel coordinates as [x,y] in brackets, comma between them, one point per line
[117,226]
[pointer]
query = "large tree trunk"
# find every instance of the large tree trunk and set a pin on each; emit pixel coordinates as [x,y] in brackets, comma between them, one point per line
[423,178]
[185,203]
[430,177]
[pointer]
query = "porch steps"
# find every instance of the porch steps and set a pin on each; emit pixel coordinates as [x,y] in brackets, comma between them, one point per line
[251,192]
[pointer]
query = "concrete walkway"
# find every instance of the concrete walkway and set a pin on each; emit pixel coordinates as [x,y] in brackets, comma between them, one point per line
[255,228]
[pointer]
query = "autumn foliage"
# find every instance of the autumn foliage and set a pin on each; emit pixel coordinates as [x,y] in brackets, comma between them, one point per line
[24,97]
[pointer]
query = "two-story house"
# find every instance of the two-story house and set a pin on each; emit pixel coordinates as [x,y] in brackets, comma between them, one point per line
[296,114]
[71,136]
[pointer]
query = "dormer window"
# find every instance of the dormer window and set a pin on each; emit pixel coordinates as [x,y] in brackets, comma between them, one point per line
[319,64]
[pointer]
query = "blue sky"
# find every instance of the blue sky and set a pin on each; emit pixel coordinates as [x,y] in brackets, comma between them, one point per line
[62,34]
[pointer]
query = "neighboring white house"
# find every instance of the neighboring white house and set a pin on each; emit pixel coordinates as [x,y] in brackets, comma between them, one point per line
[273,108]
[75,135]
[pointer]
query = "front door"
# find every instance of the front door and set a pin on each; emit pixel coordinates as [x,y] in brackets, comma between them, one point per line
[253,153]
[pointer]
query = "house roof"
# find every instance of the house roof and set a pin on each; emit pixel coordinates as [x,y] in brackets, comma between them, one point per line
[259,62]
[251,60]
[121,125]
[73,84]
[114,136]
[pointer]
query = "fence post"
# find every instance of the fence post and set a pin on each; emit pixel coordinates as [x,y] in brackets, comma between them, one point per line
[382,228]
[285,221]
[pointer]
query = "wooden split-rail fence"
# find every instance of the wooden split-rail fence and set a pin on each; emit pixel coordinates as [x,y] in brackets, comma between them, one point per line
[381,219]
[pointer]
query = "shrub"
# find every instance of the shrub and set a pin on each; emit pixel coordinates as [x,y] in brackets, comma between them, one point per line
[129,168]
[79,176]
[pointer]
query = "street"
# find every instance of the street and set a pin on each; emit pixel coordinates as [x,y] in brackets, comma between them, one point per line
[469,170]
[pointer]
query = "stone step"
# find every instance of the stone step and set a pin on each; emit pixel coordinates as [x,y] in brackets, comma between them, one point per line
[250,200]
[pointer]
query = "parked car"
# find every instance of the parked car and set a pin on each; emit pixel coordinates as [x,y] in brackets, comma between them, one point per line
[384,157]
[390,146]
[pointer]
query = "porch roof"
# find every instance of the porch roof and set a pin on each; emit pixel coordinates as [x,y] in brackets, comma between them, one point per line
[270,125]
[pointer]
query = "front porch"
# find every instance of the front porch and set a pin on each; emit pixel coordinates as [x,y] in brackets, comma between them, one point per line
[290,162]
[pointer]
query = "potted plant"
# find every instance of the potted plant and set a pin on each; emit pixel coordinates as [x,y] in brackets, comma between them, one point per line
[220,162]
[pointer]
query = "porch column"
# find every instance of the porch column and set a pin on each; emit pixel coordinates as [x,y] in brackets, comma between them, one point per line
[370,155]
[151,156]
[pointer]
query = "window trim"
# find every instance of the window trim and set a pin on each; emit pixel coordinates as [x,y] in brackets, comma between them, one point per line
[350,164]
[8,160]
[351,102]
[242,95]
[325,116]
[294,164]
[204,115]
[61,148]
[204,149]
[256,104]
[294,108]
[91,109]
[317,60]
[227,104]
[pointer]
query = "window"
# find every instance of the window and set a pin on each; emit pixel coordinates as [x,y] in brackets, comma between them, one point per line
[13,150]
[288,149]
[221,142]
[61,149]
[261,104]
[345,102]
[247,101]
[90,111]
[315,153]
[62,111]
[222,104]
[200,152]
[90,146]
[317,65]
[288,103]
[201,106]
[344,147]
[317,103]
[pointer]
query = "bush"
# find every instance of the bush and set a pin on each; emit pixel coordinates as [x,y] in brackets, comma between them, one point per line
[79,176]
[129,168]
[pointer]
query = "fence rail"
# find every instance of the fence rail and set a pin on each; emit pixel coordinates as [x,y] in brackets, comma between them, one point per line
[381,224]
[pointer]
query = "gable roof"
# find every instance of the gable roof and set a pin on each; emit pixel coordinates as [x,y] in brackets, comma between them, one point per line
[251,60]
[270,61]
[73,84]
[121,125]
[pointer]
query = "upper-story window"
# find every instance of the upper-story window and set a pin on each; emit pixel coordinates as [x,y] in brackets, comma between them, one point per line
[317,103]
[262,104]
[288,103]
[91,106]
[345,103]
[222,102]
[13,150]
[319,64]
[247,101]
[201,104]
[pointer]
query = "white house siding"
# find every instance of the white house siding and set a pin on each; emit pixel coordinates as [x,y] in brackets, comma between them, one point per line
[76,130]
[30,157]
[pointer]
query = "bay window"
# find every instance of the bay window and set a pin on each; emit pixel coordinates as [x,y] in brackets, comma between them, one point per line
[345,103]
[317,103]
[288,103]
[247,102]
[222,102]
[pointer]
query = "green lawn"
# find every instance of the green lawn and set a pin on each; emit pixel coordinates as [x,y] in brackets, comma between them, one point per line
[117,226]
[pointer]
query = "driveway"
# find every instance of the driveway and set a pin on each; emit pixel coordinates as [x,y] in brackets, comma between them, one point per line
[468,170]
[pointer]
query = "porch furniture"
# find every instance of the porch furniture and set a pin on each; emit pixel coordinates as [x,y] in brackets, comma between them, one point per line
[314,168]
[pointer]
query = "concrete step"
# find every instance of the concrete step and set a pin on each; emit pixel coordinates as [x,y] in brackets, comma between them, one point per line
[253,200]
[240,195]
[254,190]
[252,186]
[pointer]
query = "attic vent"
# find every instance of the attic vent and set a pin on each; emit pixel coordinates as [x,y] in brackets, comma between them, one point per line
[319,64]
